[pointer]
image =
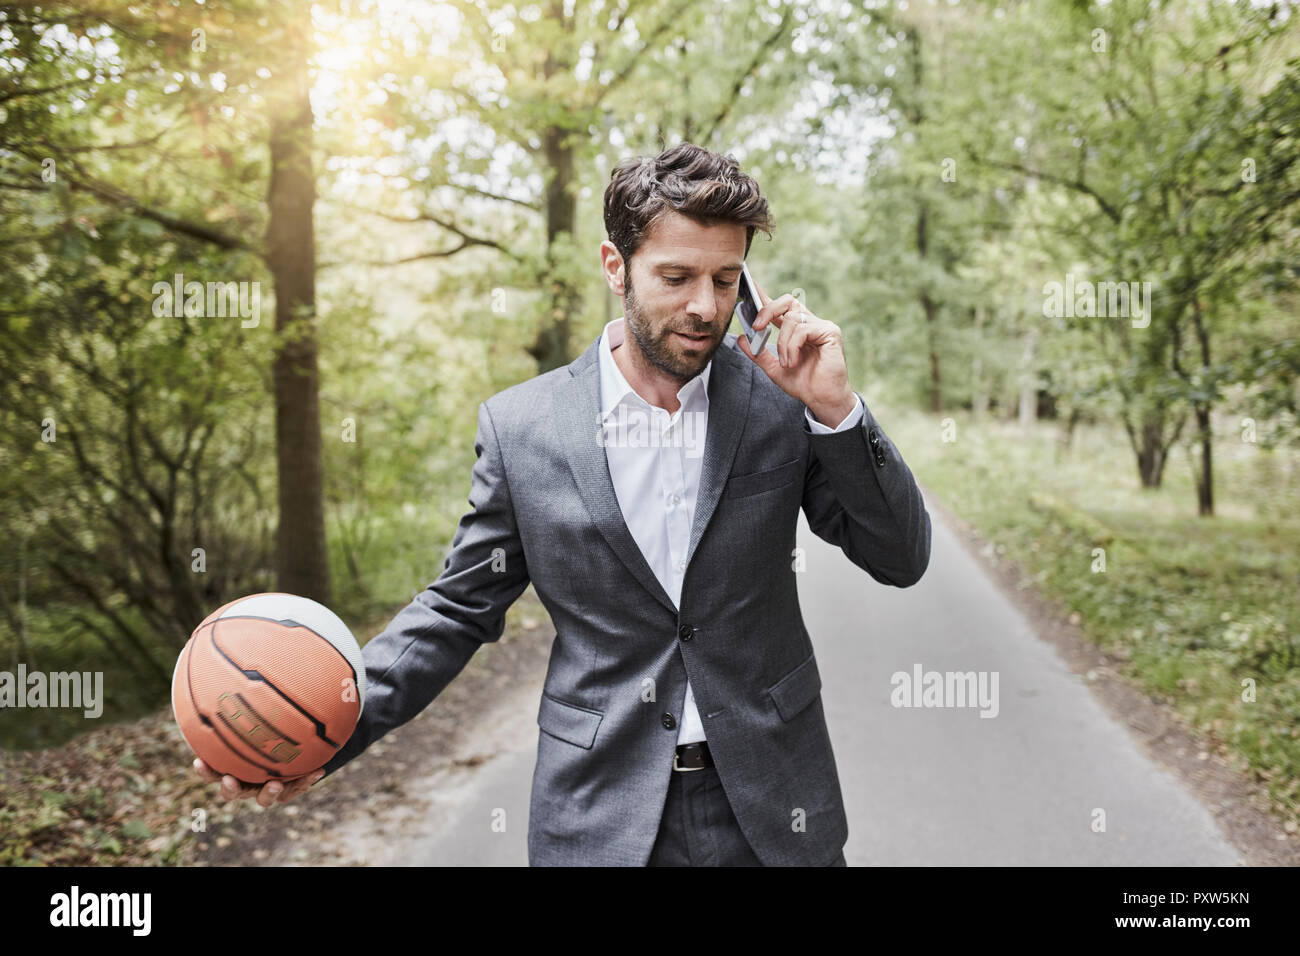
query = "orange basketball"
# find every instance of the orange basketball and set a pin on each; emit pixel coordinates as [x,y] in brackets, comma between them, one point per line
[269,687]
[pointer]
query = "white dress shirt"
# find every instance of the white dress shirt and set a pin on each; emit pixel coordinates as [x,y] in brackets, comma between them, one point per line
[655,461]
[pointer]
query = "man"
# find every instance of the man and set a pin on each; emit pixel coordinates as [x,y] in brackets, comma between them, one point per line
[681,720]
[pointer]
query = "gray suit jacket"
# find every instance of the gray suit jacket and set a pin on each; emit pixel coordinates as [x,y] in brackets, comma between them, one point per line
[544,510]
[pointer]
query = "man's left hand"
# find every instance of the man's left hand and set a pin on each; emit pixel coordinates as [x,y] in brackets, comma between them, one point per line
[809,361]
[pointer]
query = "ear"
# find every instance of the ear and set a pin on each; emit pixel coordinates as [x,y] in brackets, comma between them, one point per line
[613,265]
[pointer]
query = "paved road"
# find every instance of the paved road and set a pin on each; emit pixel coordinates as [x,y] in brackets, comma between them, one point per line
[945,786]
[922,786]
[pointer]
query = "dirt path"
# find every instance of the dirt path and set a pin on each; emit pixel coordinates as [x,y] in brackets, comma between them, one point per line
[367,813]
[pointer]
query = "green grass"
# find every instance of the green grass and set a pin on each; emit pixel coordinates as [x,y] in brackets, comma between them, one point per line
[1201,610]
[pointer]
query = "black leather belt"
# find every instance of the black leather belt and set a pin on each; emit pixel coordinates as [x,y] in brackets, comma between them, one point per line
[694,756]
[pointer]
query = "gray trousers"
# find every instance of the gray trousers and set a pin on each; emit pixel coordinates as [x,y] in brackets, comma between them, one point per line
[698,827]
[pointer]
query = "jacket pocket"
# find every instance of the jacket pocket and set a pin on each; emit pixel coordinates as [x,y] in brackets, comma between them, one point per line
[769,479]
[797,689]
[568,722]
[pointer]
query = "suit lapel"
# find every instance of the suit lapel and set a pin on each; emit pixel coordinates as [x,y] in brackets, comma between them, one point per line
[577,411]
[730,382]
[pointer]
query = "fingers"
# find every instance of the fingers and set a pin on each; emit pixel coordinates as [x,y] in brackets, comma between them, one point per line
[798,337]
[774,311]
[273,791]
[790,341]
[300,786]
[292,789]
[794,334]
[232,789]
[764,359]
[783,342]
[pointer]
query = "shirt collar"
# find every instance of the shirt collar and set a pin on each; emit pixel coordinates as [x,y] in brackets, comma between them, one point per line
[613,385]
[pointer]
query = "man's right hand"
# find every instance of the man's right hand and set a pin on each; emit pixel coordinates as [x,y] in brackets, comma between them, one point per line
[266,794]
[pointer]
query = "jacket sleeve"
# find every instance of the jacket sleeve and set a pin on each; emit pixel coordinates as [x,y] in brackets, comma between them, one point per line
[431,640]
[862,498]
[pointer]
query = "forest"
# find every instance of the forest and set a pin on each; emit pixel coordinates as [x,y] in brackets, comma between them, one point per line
[260,260]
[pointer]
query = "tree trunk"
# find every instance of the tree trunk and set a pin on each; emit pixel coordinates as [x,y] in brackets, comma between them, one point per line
[551,347]
[1150,446]
[1151,455]
[1028,383]
[1205,480]
[1205,474]
[1065,435]
[928,305]
[302,562]
[979,391]
[931,317]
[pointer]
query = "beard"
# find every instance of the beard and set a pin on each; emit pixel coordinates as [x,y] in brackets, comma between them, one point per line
[661,347]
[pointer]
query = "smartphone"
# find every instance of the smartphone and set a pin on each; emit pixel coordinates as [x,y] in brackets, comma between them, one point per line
[747,305]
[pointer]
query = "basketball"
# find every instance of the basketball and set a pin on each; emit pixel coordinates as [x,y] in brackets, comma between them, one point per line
[269,687]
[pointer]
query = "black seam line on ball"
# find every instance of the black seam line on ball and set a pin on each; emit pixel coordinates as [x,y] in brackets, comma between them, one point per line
[205,719]
[289,622]
[254,675]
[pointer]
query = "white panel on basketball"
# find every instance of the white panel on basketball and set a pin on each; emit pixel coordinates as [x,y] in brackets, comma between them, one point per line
[310,614]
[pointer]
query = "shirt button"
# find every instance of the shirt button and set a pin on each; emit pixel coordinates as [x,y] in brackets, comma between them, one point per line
[685,632]
[675,500]
[668,721]
[681,565]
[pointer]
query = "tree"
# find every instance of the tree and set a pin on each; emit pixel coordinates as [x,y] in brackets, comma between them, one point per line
[1149,117]
[244,60]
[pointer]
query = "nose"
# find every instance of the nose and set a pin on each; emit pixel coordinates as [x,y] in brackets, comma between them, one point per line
[704,301]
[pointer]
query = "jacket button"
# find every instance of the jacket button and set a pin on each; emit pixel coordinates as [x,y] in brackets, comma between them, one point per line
[880,458]
[873,438]
[685,632]
[668,722]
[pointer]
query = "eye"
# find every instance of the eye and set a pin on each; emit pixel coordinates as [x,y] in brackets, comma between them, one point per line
[678,280]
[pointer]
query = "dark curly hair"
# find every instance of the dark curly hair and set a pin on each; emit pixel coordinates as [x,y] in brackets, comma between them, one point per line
[685,178]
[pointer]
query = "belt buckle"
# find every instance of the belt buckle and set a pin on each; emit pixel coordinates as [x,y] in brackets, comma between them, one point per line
[683,769]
